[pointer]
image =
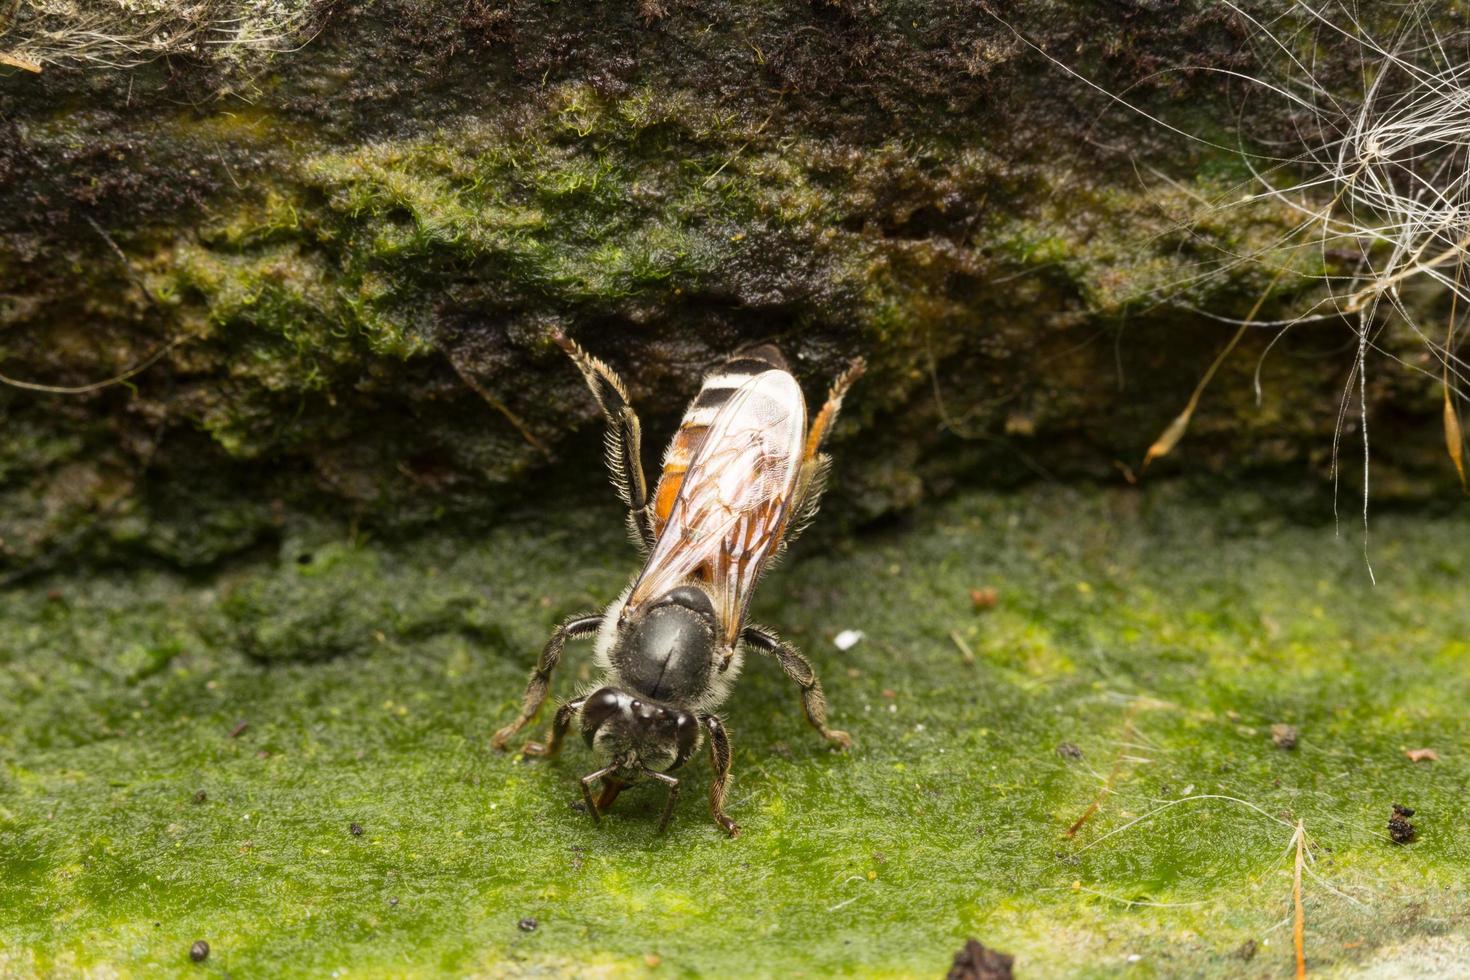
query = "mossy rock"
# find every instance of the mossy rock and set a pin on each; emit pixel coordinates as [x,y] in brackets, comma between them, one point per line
[335,252]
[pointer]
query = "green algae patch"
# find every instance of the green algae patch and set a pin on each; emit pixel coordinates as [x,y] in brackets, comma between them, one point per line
[319,605]
[187,758]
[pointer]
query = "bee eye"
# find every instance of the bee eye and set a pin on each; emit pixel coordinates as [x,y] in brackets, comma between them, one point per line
[599,707]
[686,731]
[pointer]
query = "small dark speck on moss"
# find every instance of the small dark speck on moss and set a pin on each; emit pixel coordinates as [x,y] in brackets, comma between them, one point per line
[199,952]
[975,962]
[355,830]
[527,925]
[1399,827]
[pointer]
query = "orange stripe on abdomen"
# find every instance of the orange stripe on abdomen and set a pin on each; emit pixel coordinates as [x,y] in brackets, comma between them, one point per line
[718,388]
[668,491]
[676,463]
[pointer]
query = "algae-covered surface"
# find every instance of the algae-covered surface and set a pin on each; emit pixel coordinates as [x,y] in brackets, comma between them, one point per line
[185,758]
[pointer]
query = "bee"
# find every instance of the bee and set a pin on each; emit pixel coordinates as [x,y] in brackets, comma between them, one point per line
[741,479]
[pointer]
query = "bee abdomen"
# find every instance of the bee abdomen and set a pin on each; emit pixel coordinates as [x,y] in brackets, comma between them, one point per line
[719,387]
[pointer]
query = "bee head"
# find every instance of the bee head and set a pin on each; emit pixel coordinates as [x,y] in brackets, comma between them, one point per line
[644,733]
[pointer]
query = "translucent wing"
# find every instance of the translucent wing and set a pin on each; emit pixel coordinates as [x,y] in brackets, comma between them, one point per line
[734,501]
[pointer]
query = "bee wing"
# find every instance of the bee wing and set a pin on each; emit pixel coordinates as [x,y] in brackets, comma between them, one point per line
[733,504]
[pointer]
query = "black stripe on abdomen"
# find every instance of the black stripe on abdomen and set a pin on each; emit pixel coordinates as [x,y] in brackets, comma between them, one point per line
[768,354]
[754,362]
[714,397]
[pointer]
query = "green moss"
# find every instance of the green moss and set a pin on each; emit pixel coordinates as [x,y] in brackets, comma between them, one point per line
[609,207]
[578,203]
[1160,637]
[328,601]
[28,444]
[1125,249]
[320,605]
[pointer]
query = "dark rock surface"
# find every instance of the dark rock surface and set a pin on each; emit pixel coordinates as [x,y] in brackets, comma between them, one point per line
[334,247]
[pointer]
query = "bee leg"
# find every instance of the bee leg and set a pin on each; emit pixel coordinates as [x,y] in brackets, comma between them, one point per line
[587,782]
[624,436]
[571,629]
[827,417]
[811,483]
[799,670]
[612,787]
[812,480]
[719,760]
[559,726]
[673,785]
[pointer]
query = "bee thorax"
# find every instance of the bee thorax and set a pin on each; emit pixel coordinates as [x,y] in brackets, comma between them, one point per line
[666,651]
